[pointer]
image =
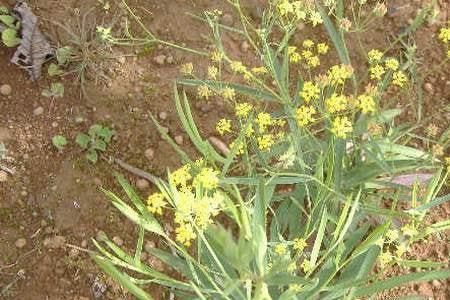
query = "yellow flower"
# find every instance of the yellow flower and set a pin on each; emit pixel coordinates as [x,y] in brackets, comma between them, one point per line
[310,91]
[285,8]
[380,242]
[385,258]
[313,61]
[155,203]
[447,162]
[228,93]
[291,50]
[315,18]
[223,126]
[444,35]
[392,64]
[259,70]
[280,249]
[243,109]
[377,72]
[307,54]
[374,56]
[265,142]
[204,91]
[187,69]
[401,249]
[263,120]
[308,44]
[217,56]
[212,72]
[180,176]
[399,79]
[305,115]
[292,267]
[238,67]
[392,235]
[409,230]
[240,148]
[300,13]
[300,244]
[338,74]
[185,234]
[207,178]
[341,127]
[295,287]
[306,266]
[322,48]
[295,58]
[367,104]
[336,103]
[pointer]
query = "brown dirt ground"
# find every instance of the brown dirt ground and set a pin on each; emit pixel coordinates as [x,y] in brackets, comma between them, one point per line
[57,194]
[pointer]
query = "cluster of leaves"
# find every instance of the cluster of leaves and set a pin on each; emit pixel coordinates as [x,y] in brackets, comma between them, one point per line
[9,28]
[96,139]
[298,216]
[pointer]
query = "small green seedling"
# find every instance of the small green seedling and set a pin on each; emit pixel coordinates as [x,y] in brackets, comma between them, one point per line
[10,36]
[56,90]
[59,141]
[97,139]
[54,70]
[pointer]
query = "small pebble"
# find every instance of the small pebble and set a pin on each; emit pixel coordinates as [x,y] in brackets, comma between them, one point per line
[149,153]
[84,244]
[118,241]
[3,176]
[149,245]
[55,242]
[38,111]
[122,60]
[428,87]
[20,243]
[100,235]
[245,46]
[160,59]
[163,115]
[142,184]
[179,139]
[5,89]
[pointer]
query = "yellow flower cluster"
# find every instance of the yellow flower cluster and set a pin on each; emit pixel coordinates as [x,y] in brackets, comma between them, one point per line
[243,109]
[212,72]
[228,93]
[300,244]
[207,178]
[266,141]
[238,67]
[336,103]
[367,104]
[299,11]
[341,127]
[187,69]
[305,115]
[192,209]
[217,56]
[155,203]
[311,59]
[223,126]
[264,120]
[281,249]
[310,91]
[399,79]
[203,91]
[444,35]
[338,74]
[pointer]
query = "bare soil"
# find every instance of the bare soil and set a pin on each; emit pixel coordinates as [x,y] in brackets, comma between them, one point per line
[53,200]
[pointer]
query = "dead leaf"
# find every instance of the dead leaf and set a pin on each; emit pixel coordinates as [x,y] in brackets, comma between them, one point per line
[34,48]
